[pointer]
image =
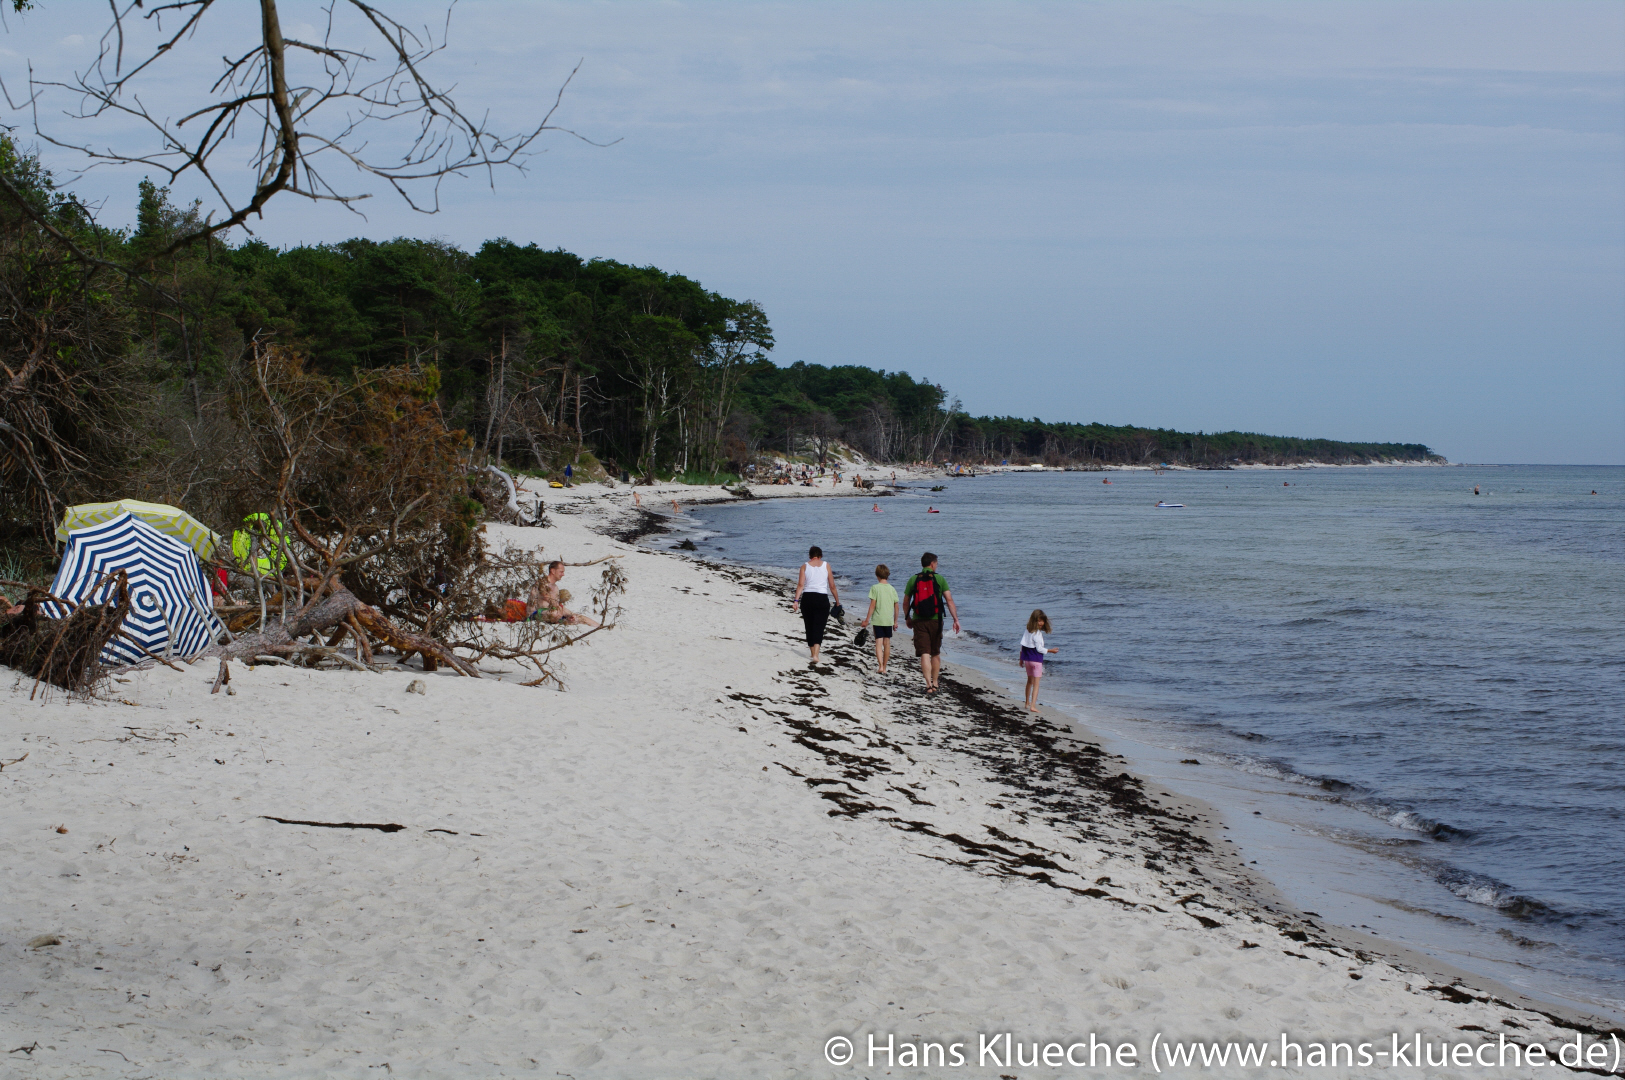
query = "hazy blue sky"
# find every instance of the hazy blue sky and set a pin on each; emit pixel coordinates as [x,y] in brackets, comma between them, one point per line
[1375,220]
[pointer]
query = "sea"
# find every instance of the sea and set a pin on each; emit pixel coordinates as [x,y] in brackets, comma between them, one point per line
[1403,688]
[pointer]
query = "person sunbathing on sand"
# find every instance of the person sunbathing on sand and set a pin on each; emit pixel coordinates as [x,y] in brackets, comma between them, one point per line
[546,600]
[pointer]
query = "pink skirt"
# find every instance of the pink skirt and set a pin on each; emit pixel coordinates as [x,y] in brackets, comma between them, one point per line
[1035,668]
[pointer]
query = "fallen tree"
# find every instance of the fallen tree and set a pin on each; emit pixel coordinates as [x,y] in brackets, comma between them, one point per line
[374,527]
[362,531]
[62,652]
[337,612]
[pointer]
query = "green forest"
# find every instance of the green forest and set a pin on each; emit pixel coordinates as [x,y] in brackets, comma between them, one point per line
[124,364]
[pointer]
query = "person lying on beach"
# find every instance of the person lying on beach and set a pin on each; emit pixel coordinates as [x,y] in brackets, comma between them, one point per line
[546,604]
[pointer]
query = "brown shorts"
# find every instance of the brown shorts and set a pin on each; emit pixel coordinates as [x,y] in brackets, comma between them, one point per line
[928,637]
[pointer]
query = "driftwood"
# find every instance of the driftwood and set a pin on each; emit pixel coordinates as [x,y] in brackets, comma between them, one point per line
[337,612]
[62,652]
[384,828]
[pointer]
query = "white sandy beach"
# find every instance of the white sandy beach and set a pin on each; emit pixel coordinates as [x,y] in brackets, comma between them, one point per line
[701,860]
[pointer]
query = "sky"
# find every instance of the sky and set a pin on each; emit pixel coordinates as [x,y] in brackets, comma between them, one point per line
[1369,221]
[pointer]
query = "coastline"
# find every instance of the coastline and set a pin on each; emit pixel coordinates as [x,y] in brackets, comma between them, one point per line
[702,859]
[1249,887]
[1258,891]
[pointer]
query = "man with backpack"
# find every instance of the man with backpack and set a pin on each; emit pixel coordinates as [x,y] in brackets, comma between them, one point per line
[925,598]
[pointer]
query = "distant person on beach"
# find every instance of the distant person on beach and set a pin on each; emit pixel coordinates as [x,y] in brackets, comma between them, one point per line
[569,474]
[925,598]
[546,600]
[815,592]
[1033,653]
[884,608]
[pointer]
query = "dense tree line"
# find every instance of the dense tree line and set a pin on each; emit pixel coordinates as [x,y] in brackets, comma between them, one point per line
[991,438]
[890,416]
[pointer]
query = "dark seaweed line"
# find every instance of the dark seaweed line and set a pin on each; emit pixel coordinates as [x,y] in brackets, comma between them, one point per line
[1068,786]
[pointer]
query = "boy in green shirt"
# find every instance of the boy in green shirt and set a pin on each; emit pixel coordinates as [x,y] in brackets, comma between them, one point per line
[883,611]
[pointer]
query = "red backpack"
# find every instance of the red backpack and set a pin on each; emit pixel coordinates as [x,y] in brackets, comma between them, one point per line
[924,600]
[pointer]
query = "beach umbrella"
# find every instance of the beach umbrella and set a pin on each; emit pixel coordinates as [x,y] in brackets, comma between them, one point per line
[169,594]
[169,520]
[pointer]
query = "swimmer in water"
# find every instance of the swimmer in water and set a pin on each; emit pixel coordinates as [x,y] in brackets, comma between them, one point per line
[932,510]
[1475,489]
[878,510]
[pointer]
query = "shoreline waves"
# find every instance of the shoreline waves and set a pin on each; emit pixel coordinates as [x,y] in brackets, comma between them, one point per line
[705,858]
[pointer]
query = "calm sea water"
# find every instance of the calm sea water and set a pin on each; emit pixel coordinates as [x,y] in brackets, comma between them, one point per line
[1407,700]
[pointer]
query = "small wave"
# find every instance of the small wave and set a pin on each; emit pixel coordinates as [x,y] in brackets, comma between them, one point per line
[1280,771]
[1392,701]
[1304,622]
[1411,821]
[1525,942]
[1487,892]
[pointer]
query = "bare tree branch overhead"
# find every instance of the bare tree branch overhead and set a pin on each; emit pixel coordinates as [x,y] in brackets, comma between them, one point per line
[298,112]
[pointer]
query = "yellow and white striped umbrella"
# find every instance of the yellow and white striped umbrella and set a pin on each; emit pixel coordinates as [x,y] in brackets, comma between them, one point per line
[169,520]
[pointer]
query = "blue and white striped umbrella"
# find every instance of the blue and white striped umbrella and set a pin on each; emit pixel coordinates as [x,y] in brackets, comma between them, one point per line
[169,594]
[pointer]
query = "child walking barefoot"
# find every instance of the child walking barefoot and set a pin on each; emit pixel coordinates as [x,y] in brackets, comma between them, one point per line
[1033,653]
[884,608]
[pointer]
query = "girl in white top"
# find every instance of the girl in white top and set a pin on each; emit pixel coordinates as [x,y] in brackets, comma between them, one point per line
[1033,653]
[815,593]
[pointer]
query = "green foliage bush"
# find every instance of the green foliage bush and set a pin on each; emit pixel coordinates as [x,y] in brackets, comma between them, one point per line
[707,479]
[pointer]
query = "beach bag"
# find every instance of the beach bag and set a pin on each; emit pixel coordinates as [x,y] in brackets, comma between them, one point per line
[513,611]
[925,601]
[863,636]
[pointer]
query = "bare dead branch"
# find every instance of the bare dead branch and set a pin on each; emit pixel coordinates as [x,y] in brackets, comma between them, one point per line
[292,116]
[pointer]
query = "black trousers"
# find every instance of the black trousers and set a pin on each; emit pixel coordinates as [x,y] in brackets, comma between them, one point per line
[815,613]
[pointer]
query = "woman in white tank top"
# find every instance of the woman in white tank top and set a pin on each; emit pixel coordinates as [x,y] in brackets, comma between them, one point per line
[815,593]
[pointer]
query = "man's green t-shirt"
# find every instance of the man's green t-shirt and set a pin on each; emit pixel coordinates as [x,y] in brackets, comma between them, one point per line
[941,601]
[885,598]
